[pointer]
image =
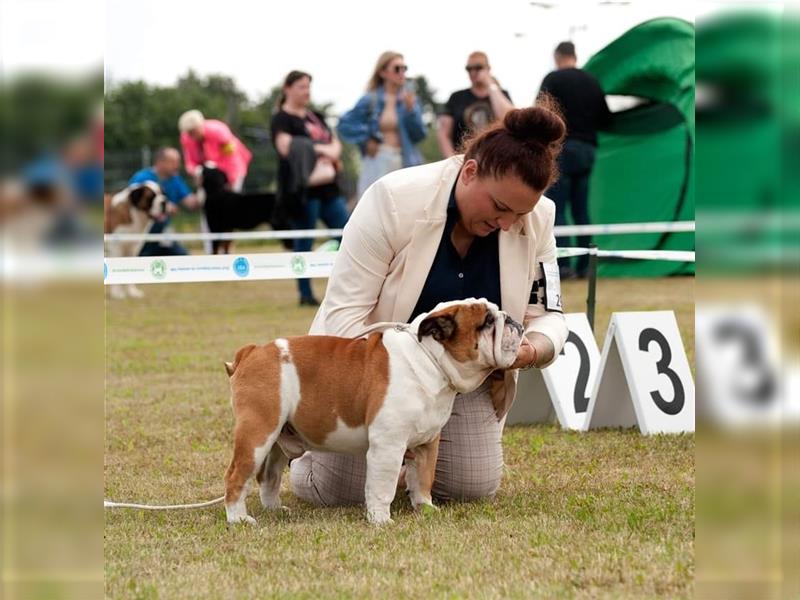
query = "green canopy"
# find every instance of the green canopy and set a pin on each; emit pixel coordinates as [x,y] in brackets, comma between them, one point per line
[749,132]
[644,169]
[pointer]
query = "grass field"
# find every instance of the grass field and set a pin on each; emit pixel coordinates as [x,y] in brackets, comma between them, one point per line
[606,514]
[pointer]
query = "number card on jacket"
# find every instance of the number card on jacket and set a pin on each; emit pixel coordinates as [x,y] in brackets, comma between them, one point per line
[644,378]
[562,389]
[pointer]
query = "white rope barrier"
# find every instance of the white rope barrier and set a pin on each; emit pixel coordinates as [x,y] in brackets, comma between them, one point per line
[293,234]
[624,228]
[559,231]
[284,265]
[671,255]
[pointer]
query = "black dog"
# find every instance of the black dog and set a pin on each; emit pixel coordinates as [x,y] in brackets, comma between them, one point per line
[227,210]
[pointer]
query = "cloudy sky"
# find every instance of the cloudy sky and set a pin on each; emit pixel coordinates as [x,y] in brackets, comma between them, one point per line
[338,41]
[257,42]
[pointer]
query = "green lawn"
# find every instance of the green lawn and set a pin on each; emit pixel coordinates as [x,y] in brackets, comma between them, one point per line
[601,514]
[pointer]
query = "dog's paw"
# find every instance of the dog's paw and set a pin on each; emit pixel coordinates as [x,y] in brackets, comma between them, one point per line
[426,509]
[379,517]
[276,507]
[135,292]
[242,519]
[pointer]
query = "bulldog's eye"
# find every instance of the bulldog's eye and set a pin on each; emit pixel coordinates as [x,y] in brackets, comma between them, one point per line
[489,322]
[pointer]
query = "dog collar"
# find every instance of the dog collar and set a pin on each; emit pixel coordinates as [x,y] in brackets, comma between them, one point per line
[405,327]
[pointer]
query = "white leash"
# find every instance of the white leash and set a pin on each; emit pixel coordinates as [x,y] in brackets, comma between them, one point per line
[109,504]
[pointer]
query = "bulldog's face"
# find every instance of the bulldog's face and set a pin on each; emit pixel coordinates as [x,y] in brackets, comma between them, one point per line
[477,338]
[147,200]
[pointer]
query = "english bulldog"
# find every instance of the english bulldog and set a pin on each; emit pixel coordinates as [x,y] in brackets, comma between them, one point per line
[387,395]
[132,210]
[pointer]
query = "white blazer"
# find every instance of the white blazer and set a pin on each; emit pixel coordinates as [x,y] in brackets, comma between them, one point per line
[388,247]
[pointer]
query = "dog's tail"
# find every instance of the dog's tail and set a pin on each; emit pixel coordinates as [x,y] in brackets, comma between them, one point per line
[241,354]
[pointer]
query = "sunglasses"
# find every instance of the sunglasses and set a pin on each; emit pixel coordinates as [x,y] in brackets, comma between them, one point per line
[400,69]
[471,68]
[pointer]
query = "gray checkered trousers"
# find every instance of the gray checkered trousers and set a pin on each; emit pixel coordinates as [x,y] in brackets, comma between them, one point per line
[469,467]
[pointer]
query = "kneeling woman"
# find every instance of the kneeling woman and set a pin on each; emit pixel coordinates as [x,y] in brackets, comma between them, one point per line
[473,225]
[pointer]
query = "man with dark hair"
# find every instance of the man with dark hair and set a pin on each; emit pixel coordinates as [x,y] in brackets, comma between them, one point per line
[470,110]
[585,111]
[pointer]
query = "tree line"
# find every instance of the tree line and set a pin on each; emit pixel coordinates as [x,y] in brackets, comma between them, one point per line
[142,115]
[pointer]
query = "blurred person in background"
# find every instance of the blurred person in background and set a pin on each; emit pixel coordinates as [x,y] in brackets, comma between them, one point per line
[164,172]
[585,111]
[386,122]
[304,142]
[209,140]
[472,225]
[85,167]
[471,110]
[212,140]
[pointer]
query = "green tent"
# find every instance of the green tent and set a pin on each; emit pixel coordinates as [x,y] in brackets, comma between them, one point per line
[748,129]
[644,170]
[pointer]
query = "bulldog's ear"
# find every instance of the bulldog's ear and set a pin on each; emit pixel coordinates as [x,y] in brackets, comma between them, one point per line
[441,327]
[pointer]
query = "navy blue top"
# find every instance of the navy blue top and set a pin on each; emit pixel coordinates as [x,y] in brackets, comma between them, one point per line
[451,277]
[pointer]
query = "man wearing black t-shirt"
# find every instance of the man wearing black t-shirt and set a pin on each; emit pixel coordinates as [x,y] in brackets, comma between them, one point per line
[470,110]
[585,111]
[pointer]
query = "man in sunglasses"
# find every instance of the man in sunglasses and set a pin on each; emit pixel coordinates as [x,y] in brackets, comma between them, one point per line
[470,110]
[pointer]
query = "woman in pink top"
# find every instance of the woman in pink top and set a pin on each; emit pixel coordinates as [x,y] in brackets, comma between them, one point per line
[211,140]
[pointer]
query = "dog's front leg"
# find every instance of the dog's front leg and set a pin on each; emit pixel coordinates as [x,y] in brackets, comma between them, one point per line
[383,468]
[420,473]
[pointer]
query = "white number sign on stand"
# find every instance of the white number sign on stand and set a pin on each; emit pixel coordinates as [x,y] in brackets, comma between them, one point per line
[739,367]
[644,378]
[567,382]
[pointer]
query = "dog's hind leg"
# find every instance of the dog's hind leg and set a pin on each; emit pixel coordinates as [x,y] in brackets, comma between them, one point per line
[269,478]
[248,458]
[420,473]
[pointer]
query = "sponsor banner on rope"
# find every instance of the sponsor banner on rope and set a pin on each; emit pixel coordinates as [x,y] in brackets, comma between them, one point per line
[183,269]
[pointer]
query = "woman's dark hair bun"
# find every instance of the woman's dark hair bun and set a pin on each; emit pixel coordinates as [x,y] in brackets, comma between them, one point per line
[540,124]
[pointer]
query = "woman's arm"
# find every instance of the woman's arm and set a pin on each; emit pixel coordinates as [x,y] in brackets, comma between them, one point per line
[444,133]
[415,127]
[358,124]
[545,327]
[500,104]
[361,266]
[332,150]
[283,141]
[188,156]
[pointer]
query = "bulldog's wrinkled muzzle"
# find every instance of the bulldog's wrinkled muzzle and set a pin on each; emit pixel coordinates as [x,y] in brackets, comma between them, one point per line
[513,324]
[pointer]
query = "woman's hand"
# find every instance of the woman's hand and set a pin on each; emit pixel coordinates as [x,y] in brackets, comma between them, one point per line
[326,151]
[371,148]
[409,98]
[526,355]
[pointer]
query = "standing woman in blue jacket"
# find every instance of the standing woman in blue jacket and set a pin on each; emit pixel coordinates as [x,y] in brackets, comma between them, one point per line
[386,122]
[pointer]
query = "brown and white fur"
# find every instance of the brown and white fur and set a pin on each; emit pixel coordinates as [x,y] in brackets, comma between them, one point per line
[132,210]
[382,395]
